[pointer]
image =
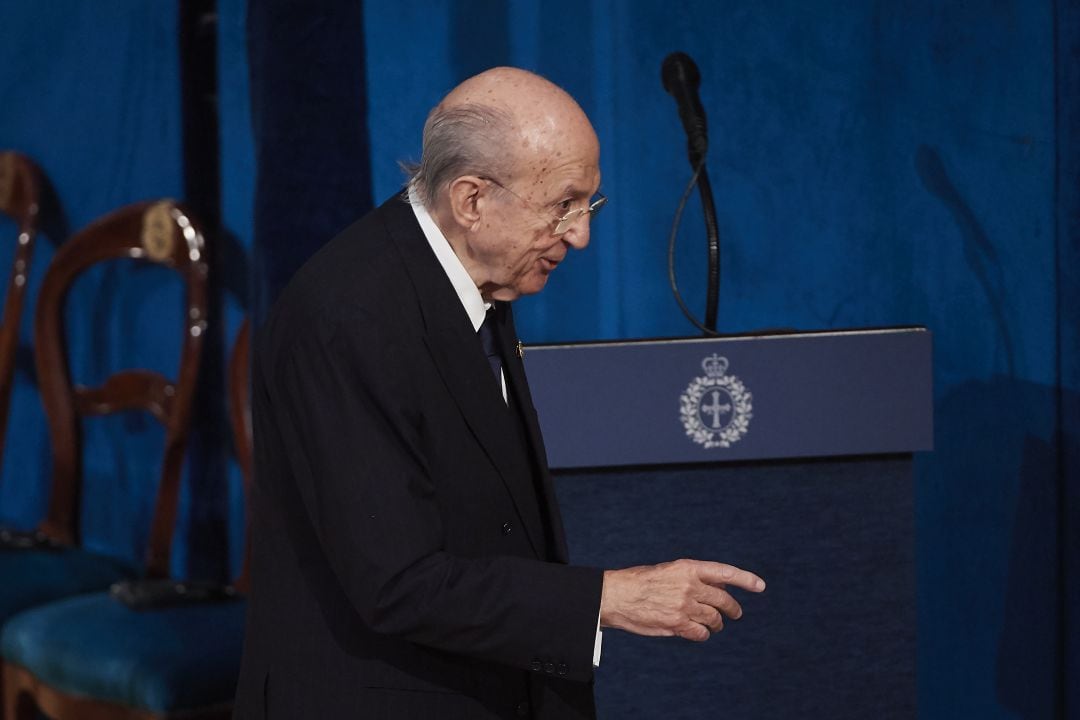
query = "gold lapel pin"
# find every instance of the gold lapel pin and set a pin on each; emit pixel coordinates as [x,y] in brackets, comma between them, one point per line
[520,350]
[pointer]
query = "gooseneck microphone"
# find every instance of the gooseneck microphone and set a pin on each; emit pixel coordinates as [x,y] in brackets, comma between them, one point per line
[681,80]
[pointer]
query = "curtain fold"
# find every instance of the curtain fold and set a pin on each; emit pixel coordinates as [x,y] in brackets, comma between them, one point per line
[1067,206]
[308,109]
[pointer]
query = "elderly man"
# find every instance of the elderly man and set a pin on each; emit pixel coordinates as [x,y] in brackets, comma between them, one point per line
[409,559]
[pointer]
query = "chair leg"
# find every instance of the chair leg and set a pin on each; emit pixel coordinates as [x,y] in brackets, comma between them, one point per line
[25,698]
[18,698]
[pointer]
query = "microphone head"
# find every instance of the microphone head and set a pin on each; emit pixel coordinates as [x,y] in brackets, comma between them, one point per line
[679,70]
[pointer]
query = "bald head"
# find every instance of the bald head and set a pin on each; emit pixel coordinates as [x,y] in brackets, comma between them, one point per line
[541,111]
[503,123]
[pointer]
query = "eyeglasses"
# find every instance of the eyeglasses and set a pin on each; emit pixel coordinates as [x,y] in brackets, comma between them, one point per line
[563,223]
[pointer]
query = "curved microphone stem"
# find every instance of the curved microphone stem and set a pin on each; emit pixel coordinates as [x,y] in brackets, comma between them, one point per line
[681,79]
[712,233]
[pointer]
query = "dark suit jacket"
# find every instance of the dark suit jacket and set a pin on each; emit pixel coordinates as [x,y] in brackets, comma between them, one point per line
[408,557]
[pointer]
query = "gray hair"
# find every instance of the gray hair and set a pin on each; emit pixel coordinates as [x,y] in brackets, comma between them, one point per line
[465,139]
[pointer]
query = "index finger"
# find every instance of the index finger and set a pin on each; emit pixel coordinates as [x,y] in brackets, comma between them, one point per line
[715,573]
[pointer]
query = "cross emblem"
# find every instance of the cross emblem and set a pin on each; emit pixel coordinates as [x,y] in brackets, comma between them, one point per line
[716,408]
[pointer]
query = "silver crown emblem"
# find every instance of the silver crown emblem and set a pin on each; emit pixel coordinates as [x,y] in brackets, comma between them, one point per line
[714,365]
[716,409]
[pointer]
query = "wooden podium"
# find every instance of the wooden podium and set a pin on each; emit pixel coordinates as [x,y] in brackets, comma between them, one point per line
[789,455]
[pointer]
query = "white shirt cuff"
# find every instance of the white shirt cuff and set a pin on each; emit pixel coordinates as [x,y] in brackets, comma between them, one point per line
[597,644]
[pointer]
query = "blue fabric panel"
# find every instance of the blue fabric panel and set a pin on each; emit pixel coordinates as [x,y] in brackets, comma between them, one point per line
[311,146]
[1068,278]
[31,578]
[832,636]
[159,660]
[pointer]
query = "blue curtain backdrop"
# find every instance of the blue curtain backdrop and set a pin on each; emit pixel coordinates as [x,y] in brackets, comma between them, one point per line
[92,93]
[874,164]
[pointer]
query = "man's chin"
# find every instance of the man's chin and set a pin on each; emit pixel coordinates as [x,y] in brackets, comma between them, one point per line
[533,284]
[530,285]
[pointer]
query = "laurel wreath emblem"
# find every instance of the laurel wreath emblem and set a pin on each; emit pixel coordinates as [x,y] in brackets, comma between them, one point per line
[741,411]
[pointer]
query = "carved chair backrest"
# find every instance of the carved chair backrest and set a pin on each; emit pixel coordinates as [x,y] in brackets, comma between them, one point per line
[20,198]
[159,232]
[240,417]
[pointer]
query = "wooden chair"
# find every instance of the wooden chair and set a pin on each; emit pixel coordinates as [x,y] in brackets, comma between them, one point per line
[183,660]
[20,199]
[49,564]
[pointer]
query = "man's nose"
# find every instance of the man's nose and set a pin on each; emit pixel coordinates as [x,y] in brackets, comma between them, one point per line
[577,236]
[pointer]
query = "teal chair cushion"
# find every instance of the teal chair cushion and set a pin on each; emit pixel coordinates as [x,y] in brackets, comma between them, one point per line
[35,577]
[162,660]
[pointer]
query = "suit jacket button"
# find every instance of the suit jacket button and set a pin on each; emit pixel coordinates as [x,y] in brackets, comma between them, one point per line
[523,708]
[563,669]
[507,528]
[549,668]
[537,666]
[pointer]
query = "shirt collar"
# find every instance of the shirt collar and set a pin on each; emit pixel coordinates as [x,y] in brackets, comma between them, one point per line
[470,297]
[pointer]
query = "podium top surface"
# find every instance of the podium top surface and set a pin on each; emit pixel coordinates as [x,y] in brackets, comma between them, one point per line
[742,397]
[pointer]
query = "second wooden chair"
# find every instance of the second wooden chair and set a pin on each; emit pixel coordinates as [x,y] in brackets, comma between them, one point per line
[50,563]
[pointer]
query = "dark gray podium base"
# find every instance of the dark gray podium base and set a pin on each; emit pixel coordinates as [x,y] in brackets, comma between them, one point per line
[833,636]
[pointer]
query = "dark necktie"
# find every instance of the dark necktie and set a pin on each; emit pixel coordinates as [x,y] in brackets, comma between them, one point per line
[491,346]
[489,339]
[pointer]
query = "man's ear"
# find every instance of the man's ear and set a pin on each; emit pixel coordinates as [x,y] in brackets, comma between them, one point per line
[466,202]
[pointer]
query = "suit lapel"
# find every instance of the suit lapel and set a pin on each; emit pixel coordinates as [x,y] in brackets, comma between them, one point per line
[519,386]
[467,376]
[460,360]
